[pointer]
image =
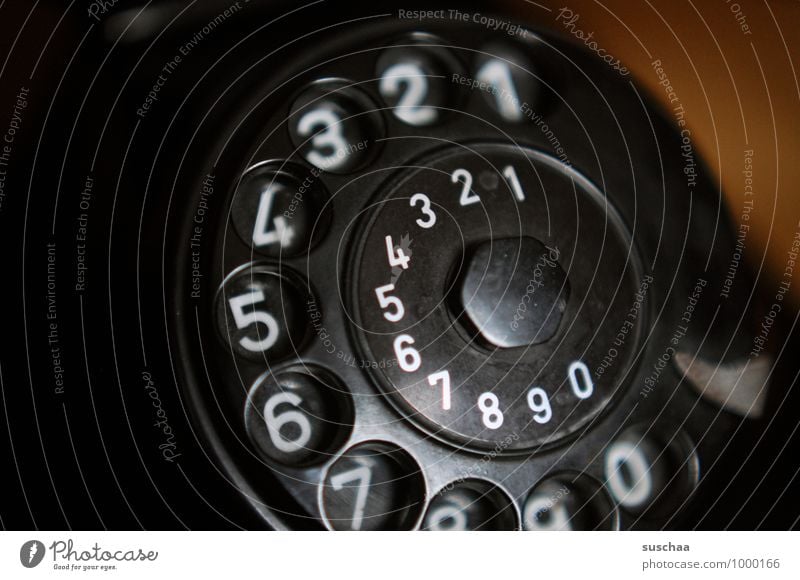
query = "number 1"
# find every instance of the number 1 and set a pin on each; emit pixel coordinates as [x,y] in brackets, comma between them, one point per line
[511,176]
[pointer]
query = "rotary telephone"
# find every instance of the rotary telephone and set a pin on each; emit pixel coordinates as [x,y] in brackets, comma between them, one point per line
[393,268]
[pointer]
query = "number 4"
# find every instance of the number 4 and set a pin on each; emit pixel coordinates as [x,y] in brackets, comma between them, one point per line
[262,236]
[396,255]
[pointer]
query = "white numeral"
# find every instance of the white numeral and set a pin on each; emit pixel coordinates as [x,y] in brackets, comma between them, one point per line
[581,380]
[407,357]
[363,476]
[244,319]
[498,74]
[511,176]
[556,519]
[331,138]
[452,514]
[396,255]
[540,405]
[636,489]
[275,422]
[262,235]
[467,195]
[387,301]
[489,405]
[409,108]
[426,210]
[444,377]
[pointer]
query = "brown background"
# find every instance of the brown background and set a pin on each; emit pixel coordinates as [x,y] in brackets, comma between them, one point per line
[740,91]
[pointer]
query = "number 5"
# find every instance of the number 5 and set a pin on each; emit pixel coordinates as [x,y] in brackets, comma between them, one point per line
[244,319]
[386,301]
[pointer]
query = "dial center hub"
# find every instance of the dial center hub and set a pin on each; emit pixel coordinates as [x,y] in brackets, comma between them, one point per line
[514,292]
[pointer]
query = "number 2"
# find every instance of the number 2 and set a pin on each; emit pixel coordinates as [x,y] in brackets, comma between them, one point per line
[467,195]
[409,107]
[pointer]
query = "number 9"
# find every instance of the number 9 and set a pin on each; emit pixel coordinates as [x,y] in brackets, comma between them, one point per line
[540,405]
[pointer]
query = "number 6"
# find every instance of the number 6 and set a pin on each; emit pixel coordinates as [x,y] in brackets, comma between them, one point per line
[407,356]
[275,422]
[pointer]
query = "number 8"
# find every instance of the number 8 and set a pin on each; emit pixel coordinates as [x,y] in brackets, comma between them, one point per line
[489,405]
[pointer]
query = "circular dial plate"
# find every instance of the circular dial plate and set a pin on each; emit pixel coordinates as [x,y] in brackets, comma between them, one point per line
[470,279]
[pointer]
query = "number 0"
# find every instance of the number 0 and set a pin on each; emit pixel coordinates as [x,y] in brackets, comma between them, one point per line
[581,380]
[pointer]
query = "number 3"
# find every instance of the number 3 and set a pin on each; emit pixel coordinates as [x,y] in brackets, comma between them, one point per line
[426,210]
[331,138]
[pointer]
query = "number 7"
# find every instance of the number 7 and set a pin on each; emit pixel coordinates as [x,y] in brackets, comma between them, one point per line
[444,377]
[363,475]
